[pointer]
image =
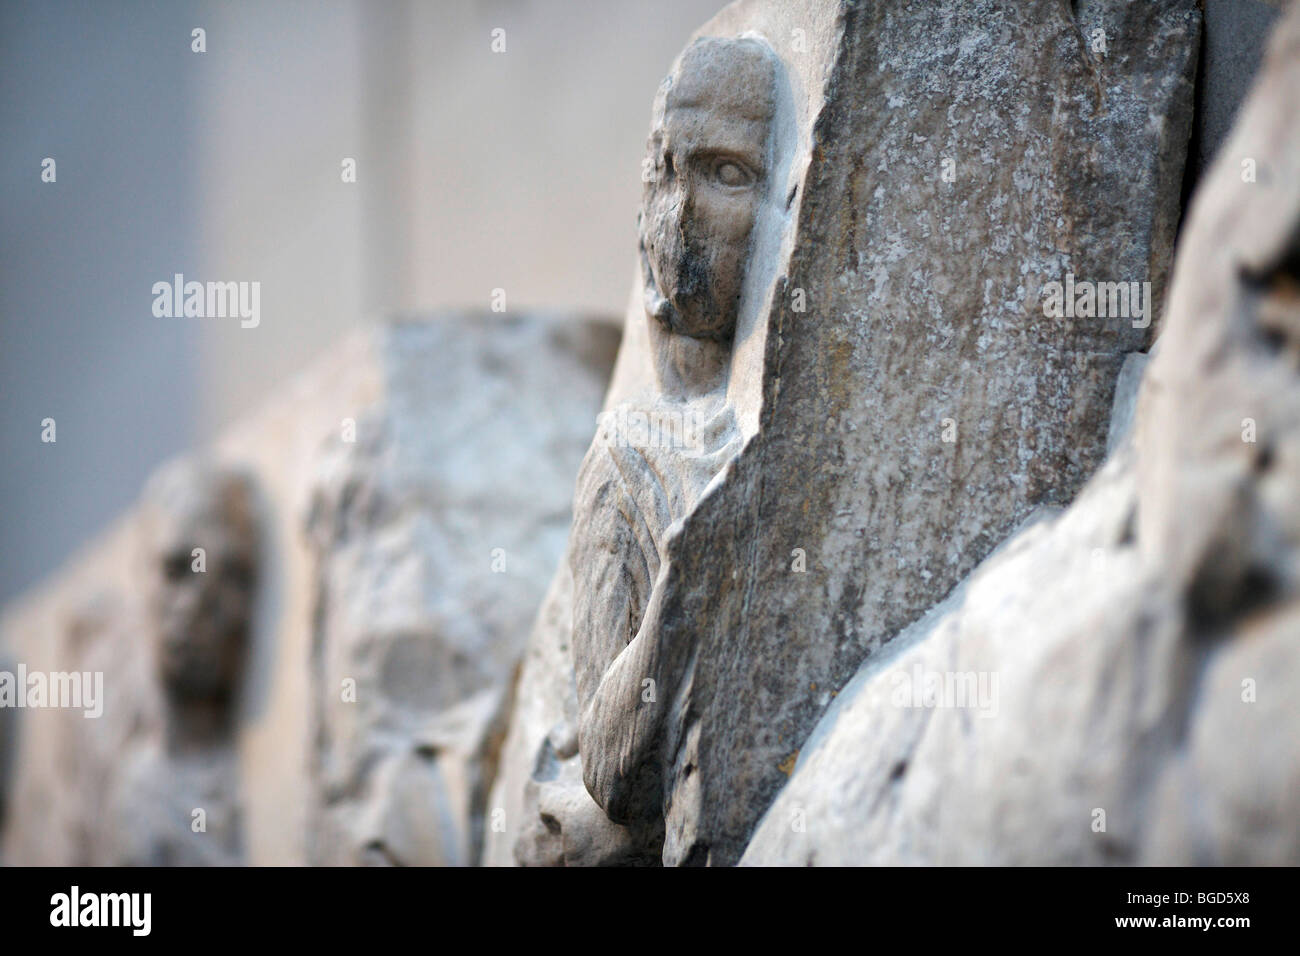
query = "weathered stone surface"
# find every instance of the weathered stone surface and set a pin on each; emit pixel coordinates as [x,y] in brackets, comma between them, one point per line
[903,398]
[436,531]
[891,775]
[1139,649]
[925,404]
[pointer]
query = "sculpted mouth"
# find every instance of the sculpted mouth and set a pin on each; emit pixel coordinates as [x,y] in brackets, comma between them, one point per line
[688,306]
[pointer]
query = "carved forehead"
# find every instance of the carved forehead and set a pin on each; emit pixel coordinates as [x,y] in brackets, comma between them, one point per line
[732,76]
[186,498]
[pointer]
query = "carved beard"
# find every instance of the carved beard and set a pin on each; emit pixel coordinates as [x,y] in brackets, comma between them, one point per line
[692,310]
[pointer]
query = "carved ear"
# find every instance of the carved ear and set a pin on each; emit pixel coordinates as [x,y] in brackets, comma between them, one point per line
[655,303]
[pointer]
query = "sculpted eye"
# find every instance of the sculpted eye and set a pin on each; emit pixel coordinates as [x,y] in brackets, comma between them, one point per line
[731,173]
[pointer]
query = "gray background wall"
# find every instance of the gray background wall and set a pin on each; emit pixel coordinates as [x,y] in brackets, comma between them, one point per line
[1236,32]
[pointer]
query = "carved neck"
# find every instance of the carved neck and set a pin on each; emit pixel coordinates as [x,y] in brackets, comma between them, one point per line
[686,367]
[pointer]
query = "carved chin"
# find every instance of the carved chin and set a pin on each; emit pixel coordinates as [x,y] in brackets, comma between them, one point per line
[689,318]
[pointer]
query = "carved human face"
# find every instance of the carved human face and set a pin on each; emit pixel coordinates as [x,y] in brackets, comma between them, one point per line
[707,175]
[200,617]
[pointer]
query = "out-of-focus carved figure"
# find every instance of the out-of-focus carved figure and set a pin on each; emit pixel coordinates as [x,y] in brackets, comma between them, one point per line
[176,800]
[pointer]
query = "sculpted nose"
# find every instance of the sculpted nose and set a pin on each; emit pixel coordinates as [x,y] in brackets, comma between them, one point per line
[677,214]
[668,221]
[675,198]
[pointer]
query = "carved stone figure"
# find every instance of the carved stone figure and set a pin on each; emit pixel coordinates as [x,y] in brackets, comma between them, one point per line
[902,400]
[176,800]
[707,175]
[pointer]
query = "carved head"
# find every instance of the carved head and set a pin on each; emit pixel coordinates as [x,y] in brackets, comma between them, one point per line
[706,175]
[200,602]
